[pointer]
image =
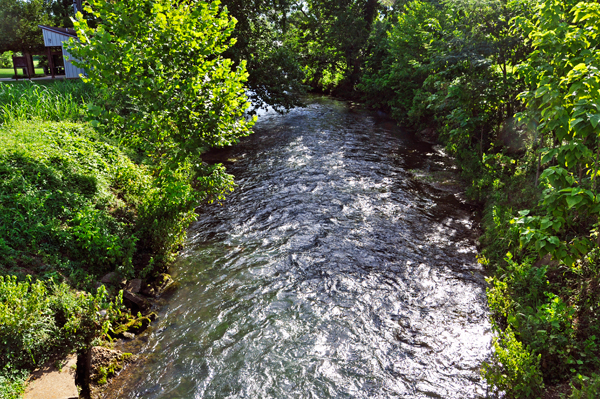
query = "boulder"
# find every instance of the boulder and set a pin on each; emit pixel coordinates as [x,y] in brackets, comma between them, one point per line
[162,284]
[133,326]
[134,301]
[97,365]
[134,286]
[112,278]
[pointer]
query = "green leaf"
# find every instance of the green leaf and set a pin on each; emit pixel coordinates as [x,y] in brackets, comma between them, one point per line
[594,119]
[573,200]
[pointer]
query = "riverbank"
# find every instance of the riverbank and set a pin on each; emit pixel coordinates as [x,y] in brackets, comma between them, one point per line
[75,208]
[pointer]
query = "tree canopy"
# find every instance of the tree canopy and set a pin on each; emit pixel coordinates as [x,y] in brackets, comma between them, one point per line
[166,87]
[19,20]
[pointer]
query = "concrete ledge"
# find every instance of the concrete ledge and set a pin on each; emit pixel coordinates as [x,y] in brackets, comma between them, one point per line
[50,383]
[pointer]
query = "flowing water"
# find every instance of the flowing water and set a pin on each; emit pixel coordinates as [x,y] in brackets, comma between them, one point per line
[333,271]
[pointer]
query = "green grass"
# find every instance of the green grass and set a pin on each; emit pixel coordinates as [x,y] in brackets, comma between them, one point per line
[10,72]
[67,200]
[50,101]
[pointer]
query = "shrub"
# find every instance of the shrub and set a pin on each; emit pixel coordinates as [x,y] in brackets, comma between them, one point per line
[586,388]
[39,319]
[6,59]
[513,369]
[166,88]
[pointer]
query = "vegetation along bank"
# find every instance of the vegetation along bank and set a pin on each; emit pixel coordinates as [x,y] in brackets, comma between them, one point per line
[99,180]
[512,89]
[105,175]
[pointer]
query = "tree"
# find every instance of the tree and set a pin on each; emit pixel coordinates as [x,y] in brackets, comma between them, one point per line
[166,91]
[275,74]
[564,100]
[60,12]
[166,88]
[19,20]
[331,37]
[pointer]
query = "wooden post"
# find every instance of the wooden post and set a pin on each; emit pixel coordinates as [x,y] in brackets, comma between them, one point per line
[15,68]
[50,60]
[29,60]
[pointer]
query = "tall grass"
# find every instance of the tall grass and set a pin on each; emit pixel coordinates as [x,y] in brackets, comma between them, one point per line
[55,101]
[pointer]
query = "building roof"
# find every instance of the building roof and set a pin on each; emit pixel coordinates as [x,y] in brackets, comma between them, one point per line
[61,31]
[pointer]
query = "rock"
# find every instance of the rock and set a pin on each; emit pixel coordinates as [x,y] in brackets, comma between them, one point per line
[134,326]
[134,286]
[98,365]
[546,260]
[428,135]
[51,383]
[112,278]
[134,301]
[100,358]
[162,284]
[128,335]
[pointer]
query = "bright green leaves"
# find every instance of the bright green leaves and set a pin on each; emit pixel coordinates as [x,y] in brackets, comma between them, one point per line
[563,74]
[166,88]
[594,119]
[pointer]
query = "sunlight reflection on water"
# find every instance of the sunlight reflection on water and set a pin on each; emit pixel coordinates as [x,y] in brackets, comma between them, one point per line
[331,272]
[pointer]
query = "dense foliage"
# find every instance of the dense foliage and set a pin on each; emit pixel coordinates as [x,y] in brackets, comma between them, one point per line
[166,92]
[67,200]
[19,20]
[511,88]
[275,77]
[164,87]
[78,199]
[40,319]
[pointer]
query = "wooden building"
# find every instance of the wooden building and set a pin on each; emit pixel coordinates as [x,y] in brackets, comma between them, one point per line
[56,37]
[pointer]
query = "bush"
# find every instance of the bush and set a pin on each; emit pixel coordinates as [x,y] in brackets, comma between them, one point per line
[165,87]
[6,59]
[39,319]
[12,383]
[513,369]
[586,388]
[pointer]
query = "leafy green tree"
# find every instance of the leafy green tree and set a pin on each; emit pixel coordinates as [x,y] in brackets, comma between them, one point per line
[19,20]
[275,75]
[165,87]
[393,77]
[564,100]
[60,12]
[331,36]
[166,91]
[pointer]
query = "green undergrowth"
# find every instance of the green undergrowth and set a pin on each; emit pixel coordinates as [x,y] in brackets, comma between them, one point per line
[75,205]
[545,311]
[69,202]
[511,90]
[41,319]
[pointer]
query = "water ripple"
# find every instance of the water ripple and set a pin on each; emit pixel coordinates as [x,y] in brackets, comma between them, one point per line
[331,272]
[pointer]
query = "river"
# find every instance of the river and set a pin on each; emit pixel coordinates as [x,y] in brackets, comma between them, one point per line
[337,269]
